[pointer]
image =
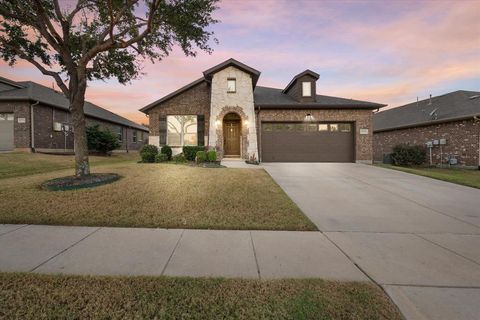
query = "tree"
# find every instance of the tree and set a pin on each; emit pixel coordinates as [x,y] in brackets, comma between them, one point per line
[99,39]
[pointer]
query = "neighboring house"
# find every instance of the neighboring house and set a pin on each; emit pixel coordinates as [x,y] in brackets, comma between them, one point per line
[226,110]
[36,118]
[446,123]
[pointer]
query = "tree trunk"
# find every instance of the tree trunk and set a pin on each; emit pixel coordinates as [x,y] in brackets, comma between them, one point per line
[82,165]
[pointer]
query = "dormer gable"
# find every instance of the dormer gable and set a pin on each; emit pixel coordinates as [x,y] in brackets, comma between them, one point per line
[303,87]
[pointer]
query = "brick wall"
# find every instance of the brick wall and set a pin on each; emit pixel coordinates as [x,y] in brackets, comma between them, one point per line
[194,101]
[46,138]
[361,119]
[462,141]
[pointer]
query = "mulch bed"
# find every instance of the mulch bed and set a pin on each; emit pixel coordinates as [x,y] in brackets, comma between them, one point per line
[73,182]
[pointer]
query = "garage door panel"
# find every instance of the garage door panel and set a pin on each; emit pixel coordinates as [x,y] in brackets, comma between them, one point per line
[306,146]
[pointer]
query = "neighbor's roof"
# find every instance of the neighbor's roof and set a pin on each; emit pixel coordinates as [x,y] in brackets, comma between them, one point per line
[452,106]
[265,97]
[36,92]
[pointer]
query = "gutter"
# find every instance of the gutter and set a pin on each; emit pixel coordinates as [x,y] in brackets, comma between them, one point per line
[32,127]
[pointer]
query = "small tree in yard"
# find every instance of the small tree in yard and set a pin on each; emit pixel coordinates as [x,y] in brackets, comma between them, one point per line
[102,141]
[98,39]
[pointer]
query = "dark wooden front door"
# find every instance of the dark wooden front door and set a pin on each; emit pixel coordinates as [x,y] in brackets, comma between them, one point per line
[231,136]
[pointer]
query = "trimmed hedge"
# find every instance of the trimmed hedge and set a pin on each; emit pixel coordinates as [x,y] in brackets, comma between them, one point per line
[179,158]
[211,156]
[201,157]
[161,157]
[168,151]
[148,153]
[408,155]
[190,152]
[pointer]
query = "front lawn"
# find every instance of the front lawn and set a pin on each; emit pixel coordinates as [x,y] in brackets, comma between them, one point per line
[157,195]
[17,164]
[32,296]
[470,178]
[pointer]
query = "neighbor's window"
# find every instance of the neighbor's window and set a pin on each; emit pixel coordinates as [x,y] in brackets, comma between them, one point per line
[306,89]
[120,134]
[231,85]
[182,130]
[134,136]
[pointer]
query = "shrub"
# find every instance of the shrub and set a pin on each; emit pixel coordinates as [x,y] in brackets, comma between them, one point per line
[102,141]
[179,158]
[408,155]
[201,157]
[211,156]
[168,151]
[190,152]
[148,153]
[161,157]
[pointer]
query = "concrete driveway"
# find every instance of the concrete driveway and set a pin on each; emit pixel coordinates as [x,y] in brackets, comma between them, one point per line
[417,237]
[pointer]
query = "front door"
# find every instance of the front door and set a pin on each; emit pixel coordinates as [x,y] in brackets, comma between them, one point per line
[231,134]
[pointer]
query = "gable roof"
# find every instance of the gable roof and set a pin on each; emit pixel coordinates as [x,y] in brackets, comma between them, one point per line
[301,74]
[452,106]
[173,94]
[232,62]
[265,97]
[35,92]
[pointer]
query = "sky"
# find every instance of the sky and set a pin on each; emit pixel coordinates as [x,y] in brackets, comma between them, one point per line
[388,52]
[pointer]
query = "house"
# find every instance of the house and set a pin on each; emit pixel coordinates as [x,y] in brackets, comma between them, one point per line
[36,118]
[448,125]
[226,110]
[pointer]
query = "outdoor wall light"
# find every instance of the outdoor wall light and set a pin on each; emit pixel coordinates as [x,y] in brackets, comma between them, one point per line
[246,122]
[309,118]
[217,123]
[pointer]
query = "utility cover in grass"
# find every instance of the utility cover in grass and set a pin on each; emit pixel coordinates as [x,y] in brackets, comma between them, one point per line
[73,182]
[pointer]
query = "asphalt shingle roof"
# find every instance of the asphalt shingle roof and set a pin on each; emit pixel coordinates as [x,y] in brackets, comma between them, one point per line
[36,92]
[264,96]
[451,106]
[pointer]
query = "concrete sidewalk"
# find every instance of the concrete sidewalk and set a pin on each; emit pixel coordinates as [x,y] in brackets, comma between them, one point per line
[173,252]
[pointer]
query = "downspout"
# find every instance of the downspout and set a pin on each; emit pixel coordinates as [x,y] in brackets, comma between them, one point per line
[32,134]
[259,142]
[476,119]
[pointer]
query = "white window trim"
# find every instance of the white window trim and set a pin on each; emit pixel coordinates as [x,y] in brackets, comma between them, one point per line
[235,85]
[309,93]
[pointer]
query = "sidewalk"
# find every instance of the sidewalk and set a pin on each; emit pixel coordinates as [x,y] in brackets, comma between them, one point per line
[173,252]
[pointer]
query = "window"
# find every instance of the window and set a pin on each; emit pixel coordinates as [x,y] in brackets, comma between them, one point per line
[134,136]
[323,127]
[311,127]
[306,89]
[120,134]
[334,127]
[344,127]
[182,130]
[141,136]
[267,127]
[231,85]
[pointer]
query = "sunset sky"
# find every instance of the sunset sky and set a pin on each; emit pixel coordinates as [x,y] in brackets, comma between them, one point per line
[383,51]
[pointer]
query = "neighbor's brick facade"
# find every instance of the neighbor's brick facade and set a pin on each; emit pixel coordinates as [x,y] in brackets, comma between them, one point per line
[462,141]
[195,101]
[360,118]
[46,139]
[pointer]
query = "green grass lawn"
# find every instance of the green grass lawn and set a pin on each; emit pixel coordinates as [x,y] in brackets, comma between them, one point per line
[156,195]
[33,296]
[18,164]
[470,178]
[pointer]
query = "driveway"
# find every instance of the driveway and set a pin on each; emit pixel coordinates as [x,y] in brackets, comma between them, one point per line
[417,237]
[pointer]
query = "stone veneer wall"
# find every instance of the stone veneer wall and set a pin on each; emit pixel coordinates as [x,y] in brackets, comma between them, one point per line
[240,102]
[462,141]
[195,100]
[362,119]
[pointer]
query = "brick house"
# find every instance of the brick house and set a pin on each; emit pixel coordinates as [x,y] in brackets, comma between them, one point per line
[225,110]
[449,124]
[36,118]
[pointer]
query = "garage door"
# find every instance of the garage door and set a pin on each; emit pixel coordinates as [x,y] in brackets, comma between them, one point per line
[307,142]
[6,131]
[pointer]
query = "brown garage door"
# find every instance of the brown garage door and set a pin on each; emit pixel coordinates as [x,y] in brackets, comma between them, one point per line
[307,142]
